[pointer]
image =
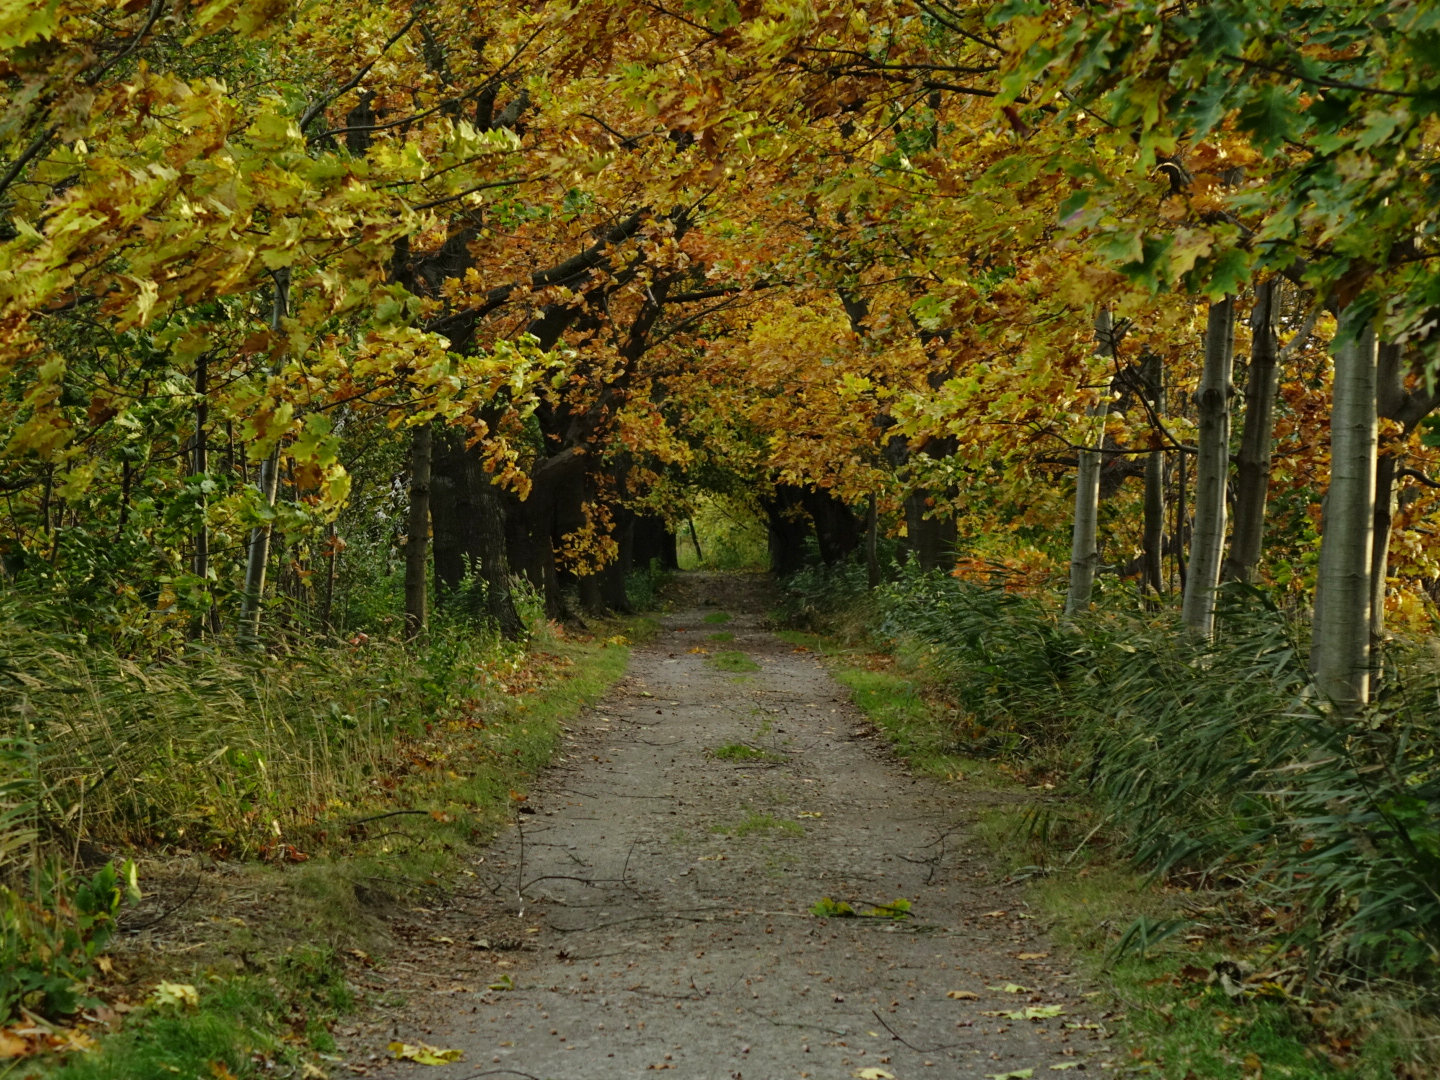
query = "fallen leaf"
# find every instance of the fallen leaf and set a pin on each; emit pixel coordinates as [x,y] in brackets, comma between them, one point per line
[176,995]
[1018,1074]
[11,1047]
[1031,955]
[963,995]
[502,983]
[424,1054]
[1065,1065]
[1010,988]
[873,1074]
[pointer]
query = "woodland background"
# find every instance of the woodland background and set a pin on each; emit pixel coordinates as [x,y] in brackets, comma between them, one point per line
[1087,351]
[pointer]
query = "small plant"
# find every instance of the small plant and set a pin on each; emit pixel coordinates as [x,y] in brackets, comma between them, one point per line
[49,940]
[718,618]
[745,752]
[733,660]
[755,822]
[826,908]
[723,635]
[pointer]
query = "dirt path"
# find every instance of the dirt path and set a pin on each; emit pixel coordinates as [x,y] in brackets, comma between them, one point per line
[653,912]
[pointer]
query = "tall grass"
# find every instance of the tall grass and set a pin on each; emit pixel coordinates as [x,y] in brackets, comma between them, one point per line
[213,749]
[1211,760]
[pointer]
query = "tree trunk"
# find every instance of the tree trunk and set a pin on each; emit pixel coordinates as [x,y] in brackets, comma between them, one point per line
[490,550]
[1386,466]
[872,544]
[1212,470]
[1340,651]
[1084,541]
[258,553]
[200,466]
[451,515]
[787,531]
[1252,470]
[932,538]
[655,543]
[1152,574]
[417,536]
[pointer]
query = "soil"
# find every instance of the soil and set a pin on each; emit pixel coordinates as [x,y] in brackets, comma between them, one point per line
[651,908]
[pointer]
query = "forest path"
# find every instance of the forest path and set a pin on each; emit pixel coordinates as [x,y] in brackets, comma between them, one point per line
[656,902]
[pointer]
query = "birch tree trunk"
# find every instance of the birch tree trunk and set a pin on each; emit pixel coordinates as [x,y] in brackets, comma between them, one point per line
[1084,545]
[1212,469]
[1340,650]
[1252,470]
[258,554]
[417,536]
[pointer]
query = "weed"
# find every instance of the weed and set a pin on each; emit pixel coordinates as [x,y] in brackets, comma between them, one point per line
[745,752]
[732,660]
[756,822]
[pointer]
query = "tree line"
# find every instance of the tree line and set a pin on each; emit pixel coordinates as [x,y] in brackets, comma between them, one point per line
[297,297]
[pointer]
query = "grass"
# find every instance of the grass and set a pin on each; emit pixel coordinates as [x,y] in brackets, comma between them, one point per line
[723,635]
[755,822]
[732,660]
[435,786]
[742,752]
[1173,1021]
[718,618]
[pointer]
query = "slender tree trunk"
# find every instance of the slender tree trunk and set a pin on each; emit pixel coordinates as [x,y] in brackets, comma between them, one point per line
[1340,651]
[1386,467]
[417,538]
[872,544]
[257,556]
[1252,470]
[332,559]
[1212,470]
[1152,578]
[1084,540]
[199,466]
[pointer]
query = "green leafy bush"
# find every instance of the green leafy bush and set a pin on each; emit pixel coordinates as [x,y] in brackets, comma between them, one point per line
[50,936]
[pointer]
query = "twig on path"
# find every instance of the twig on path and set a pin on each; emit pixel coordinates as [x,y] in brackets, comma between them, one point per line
[592,882]
[900,1038]
[171,910]
[792,1024]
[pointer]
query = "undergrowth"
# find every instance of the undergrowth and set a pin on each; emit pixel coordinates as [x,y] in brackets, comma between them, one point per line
[1305,839]
[359,769]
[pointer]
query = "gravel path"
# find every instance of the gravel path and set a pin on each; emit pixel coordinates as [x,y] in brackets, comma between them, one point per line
[653,912]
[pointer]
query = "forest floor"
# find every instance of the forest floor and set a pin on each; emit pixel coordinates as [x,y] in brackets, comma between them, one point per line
[653,906]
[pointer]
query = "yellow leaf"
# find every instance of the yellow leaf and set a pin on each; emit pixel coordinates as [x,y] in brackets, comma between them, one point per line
[424,1054]
[873,1074]
[963,995]
[176,995]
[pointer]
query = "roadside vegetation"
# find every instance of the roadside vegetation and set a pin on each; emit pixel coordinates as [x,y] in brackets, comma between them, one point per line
[327,781]
[1252,878]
